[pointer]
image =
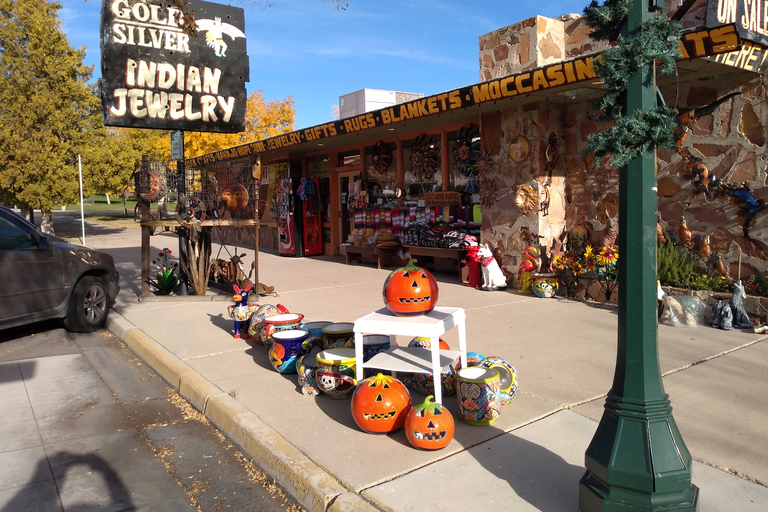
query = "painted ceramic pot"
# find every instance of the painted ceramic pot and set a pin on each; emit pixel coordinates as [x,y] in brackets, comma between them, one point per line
[277,323]
[338,335]
[545,285]
[286,348]
[336,372]
[242,313]
[508,383]
[306,367]
[422,382]
[525,282]
[374,344]
[477,395]
[422,342]
[474,359]
[257,319]
[315,331]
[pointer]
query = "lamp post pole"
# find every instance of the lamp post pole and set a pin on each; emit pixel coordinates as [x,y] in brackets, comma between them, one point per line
[637,460]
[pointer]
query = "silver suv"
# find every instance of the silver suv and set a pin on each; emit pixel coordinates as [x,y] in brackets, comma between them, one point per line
[44,277]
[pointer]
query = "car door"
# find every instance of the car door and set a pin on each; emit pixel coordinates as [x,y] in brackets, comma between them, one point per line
[31,270]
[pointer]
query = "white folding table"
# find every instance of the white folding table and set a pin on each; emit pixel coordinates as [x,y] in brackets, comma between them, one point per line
[412,359]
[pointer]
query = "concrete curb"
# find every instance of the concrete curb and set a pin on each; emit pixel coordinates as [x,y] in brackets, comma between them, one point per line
[309,484]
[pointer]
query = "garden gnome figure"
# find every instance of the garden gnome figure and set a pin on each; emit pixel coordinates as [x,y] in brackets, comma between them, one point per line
[241,300]
[740,318]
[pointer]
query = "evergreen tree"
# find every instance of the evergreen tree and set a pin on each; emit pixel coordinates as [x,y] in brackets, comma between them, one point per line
[47,109]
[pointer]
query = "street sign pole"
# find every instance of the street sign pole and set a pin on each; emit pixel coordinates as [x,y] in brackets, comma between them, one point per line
[181,190]
[637,460]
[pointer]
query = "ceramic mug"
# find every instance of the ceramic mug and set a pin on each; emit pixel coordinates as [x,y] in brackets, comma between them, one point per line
[336,372]
[306,367]
[277,323]
[286,348]
[477,395]
[338,335]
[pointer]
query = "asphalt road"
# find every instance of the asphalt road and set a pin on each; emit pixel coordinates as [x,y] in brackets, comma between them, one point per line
[87,426]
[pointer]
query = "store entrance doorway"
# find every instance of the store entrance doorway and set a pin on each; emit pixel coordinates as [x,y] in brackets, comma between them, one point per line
[346,215]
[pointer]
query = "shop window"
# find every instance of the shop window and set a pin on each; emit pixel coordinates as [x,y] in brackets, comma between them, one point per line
[421,168]
[381,173]
[349,158]
[464,151]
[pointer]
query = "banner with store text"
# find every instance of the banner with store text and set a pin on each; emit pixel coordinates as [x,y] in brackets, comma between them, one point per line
[153,75]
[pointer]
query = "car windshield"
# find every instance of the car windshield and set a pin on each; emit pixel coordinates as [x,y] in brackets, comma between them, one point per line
[14,236]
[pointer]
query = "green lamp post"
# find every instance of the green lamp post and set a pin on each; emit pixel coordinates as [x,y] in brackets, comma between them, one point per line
[637,460]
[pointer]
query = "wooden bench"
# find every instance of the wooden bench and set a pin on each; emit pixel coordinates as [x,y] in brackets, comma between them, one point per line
[440,258]
[362,253]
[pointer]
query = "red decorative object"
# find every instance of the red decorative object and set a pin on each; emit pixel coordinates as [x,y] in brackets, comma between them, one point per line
[410,291]
[429,426]
[380,404]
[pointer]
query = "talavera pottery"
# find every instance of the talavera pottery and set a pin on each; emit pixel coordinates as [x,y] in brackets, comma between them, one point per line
[286,348]
[338,335]
[242,313]
[336,372]
[424,384]
[545,285]
[306,367]
[257,319]
[315,331]
[374,344]
[477,395]
[474,359]
[508,384]
[423,342]
[277,323]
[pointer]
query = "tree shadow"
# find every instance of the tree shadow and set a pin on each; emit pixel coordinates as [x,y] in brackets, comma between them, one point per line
[118,499]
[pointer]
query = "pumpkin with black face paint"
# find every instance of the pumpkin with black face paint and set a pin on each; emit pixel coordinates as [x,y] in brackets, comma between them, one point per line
[380,404]
[410,291]
[429,426]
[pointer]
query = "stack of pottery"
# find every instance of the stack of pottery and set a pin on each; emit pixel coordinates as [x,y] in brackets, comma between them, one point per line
[257,319]
[277,323]
[286,347]
[423,382]
[338,335]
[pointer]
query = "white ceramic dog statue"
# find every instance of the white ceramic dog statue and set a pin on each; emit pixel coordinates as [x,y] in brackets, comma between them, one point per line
[493,278]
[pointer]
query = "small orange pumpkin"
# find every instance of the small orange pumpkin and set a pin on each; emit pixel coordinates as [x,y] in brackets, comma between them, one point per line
[429,426]
[410,291]
[380,404]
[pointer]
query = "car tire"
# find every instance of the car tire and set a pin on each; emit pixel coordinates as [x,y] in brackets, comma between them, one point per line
[88,305]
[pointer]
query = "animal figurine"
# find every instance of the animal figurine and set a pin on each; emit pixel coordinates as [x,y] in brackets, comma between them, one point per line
[727,318]
[493,277]
[241,302]
[608,235]
[526,269]
[685,234]
[740,318]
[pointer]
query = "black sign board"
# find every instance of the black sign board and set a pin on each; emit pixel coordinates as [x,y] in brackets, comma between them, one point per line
[749,16]
[156,76]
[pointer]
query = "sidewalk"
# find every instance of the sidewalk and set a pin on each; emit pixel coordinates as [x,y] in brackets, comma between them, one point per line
[531,458]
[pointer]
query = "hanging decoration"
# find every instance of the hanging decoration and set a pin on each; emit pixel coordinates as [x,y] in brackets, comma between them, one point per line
[425,158]
[234,197]
[190,212]
[519,149]
[382,160]
[466,150]
[656,41]
[552,156]
[526,198]
[157,186]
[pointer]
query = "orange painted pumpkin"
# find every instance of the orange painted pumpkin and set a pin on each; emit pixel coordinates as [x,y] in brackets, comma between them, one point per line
[380,404]
[410,291]
[429,426]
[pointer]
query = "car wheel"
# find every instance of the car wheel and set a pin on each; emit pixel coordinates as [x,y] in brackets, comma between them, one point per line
[88,306]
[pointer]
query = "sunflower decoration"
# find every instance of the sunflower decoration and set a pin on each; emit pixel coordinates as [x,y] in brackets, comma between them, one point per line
[606,269]
[567,268]
[425,157]
[466,151]
[382,160]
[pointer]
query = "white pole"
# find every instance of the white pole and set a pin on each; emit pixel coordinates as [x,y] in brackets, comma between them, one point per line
[82,213]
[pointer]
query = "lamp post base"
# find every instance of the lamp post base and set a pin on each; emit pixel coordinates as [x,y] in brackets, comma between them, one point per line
[637,461]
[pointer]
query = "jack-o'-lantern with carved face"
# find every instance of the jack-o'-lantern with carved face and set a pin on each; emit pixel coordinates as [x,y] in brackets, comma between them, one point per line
[234,197]
[410,291]
[429,426]
[380,404]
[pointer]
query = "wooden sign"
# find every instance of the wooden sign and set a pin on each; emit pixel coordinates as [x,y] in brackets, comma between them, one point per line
[442,198]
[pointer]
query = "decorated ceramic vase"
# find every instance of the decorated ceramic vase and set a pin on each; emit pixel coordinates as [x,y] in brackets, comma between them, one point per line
[285,349]
[477,395]
[423,342]
[277,323]
[336,372]
[474,359]
[315,331]
[306,368]
[338,335]
[508,384]
[545,285]
[423,383]
[258,316]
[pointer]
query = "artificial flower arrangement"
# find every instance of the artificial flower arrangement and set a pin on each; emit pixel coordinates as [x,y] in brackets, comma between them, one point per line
[166,277]
[569,266]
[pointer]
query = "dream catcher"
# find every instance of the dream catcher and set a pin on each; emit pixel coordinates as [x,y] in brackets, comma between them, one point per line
[425,158]
[382,160]
[466,151]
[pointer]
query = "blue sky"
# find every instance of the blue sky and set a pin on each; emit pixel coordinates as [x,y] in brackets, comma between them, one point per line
[314,53]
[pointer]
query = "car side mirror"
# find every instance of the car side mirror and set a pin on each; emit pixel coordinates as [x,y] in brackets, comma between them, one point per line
[42,243]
